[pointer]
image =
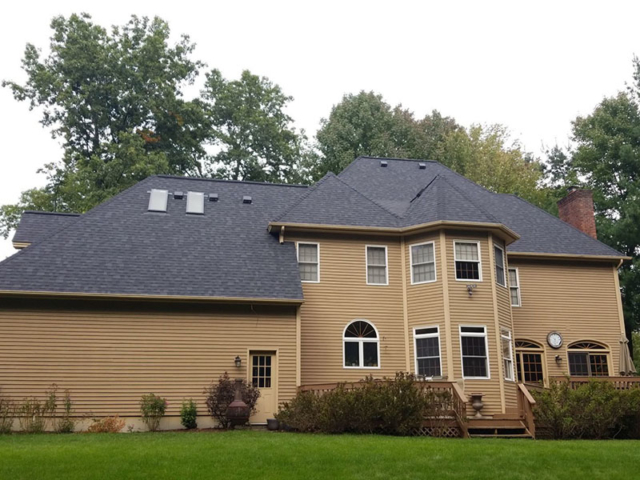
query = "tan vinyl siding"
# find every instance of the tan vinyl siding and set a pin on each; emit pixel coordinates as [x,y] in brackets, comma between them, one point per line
[342,296]
[109,355]
[475,310]
[425,301]
[577,299]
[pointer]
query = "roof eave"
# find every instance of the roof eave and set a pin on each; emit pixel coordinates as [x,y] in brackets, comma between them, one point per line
[570,256]
[509,235]
[169,298]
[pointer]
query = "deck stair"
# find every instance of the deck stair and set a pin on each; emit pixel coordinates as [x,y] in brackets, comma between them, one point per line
[498,428]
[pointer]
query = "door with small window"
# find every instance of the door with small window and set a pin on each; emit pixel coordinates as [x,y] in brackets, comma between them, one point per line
[263,376]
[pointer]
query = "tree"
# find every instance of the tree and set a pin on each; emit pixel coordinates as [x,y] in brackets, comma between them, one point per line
[115,100]
[254,136]
[365,124]
[607,158]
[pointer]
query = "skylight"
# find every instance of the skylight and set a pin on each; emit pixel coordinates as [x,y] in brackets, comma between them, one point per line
[195,203]
[158,200]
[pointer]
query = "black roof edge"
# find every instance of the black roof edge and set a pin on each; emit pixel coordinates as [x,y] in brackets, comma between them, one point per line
[248,182]
[38,212]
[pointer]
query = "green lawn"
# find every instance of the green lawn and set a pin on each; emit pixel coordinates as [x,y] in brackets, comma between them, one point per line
[246,455]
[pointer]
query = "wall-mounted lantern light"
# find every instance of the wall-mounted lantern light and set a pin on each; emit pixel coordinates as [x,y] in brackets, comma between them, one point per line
[558,359]
[238,362]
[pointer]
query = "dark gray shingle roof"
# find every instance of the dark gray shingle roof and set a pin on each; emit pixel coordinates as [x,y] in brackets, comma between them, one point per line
[35,226]
[120,248]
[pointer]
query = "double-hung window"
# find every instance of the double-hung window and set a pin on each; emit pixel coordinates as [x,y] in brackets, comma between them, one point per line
[514,287]
[467,259]
[377,266]
[499,259]
[427,345]
[309,262]
[507,354]
[473,342]
[423,263]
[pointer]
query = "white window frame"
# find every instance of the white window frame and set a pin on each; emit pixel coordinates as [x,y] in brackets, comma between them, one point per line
[360,341]
[417,336]
[505,270]
[435,266]
[486,347]
[505,334]
[516,287]
[386,264]
[298,259]
[455,259]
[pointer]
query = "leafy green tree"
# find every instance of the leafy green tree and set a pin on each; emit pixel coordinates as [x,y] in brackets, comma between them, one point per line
[255,139]
[607,158]
[114,99]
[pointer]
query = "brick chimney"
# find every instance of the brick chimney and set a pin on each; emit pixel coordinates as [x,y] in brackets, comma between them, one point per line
[577,209]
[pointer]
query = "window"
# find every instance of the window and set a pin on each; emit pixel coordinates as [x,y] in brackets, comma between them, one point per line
[529,362]
[514,287]
[507,354]
[195,203]
[467,259]
[261,371]
[377,266]
[473,342]
[499,259]
[588,359]
[427,345]
[158,200]
[309,262]
[361,347]
[423,263]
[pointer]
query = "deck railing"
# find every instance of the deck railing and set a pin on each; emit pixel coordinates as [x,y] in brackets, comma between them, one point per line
[456,408]
[526,402]
[620,383]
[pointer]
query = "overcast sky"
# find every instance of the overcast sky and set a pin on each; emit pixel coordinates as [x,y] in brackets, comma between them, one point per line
[532,67]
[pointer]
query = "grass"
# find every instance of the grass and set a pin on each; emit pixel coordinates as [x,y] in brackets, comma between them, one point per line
[266,455]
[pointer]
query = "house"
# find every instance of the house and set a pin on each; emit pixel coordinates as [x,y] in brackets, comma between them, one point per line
[393,265]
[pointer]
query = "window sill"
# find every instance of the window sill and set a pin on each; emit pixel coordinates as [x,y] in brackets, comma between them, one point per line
[422,283]
[476,378]
[468,280]
[361,368]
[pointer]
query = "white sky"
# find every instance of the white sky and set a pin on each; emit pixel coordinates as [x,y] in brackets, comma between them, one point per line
[531,66]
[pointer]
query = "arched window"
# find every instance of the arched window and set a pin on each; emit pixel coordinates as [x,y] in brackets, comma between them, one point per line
[588,359]
[361,345]
[529,361]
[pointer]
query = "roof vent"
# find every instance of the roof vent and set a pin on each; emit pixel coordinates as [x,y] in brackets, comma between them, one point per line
[213,197]
[158,200]
[422,166]
[178,195]
[247,199]
[383,163]
[195,203]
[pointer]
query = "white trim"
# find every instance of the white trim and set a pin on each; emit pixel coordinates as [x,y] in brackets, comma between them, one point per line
[486,346]
[455,273]
[386,264]
[505,334]
[505,271]
[516,287]
[360,342]
[309,263]
[435,266]
[426,335]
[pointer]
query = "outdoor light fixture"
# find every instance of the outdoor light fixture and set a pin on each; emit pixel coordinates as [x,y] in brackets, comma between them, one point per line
[470,289]
[238,361]
[558,359]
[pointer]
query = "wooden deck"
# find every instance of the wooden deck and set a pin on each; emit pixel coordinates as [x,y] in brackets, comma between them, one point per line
[621,383]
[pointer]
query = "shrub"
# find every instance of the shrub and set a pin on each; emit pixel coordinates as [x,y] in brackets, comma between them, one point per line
[220,395]
[34,415]
[393,406]
[106,425]
[595,410]
[152,409]
[189,414]
[65,422]
[7,414]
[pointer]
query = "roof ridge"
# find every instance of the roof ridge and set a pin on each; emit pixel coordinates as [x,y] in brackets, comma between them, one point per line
[557,219]
[489,215]
[418,195]
[222,180]
[370,199]
[311,189]
[396,159]
[82,217]
[41,212]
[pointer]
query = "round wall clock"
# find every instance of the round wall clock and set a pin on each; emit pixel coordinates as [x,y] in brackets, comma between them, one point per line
[554,339]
